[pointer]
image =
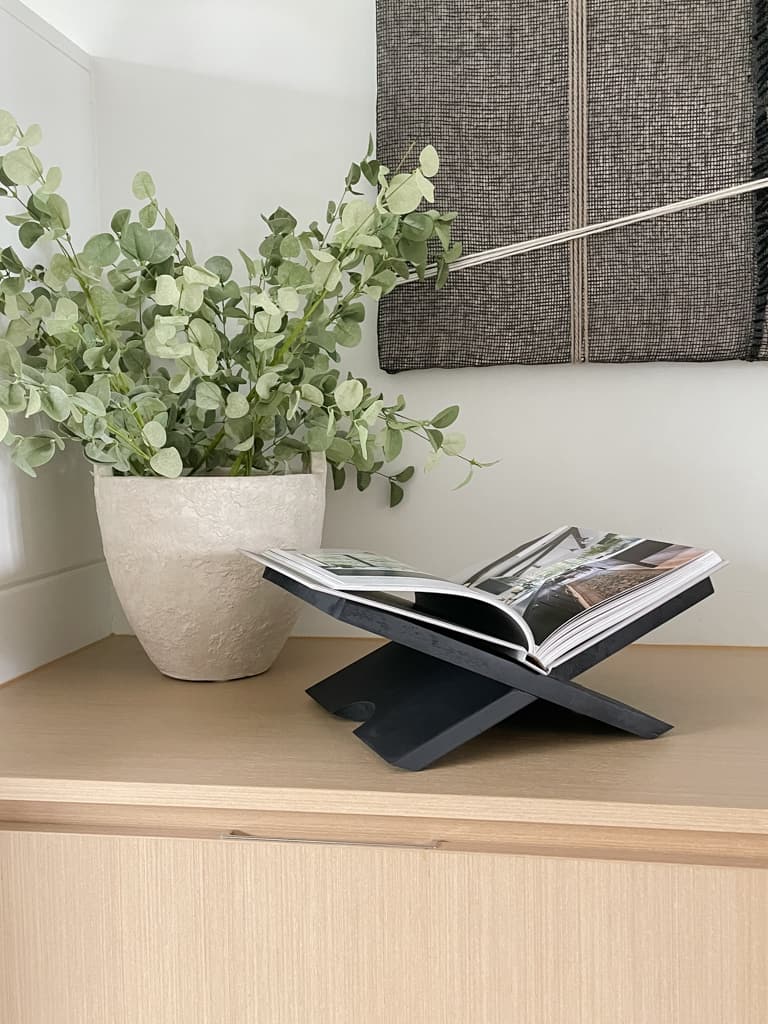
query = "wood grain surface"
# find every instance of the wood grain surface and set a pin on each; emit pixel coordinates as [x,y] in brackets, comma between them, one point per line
[137,930]
[103,727]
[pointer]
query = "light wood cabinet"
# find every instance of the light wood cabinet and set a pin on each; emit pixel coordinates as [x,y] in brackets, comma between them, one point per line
[228,854]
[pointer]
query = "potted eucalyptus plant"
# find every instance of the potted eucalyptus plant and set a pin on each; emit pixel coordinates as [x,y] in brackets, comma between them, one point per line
[210,402]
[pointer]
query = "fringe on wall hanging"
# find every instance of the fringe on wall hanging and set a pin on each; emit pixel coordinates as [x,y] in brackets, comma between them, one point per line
[548,116]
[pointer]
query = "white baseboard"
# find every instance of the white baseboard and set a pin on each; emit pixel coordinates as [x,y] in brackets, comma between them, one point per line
[47,618]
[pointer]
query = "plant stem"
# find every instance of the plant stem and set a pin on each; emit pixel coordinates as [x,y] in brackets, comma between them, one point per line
[283,349]
[126,439]
[214,444]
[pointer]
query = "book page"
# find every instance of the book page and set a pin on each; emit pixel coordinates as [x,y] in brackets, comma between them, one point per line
[516,643]
[574,570]
[345,569]
[362,572]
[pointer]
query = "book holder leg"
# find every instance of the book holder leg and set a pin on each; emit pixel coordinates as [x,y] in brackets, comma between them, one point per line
[414,708]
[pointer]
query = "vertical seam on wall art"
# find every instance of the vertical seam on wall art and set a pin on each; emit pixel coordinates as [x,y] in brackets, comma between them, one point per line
[578,175]
[757,347]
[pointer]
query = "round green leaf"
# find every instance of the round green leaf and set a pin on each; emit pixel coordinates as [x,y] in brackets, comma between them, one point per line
[59,271]
[142,186]
[22,166]
[7,127]
[404,193]
[18,332]
[356,213]
[166,291]
[56,403]
[162,342]
[372,412]
[393,444]
[347,333]
[148,215]
[13,397]
[418,227]
[10,360]
[220,266]
[237,406]
[36,451]
[395,494]
[429,161]
[340,450]
[207,395]
[426,187]
[348,395]
[89,403]
[205,360]
[58,212]
[266,382]
[327,273]
[137,241]
[167,462]
[34,403]
[179,382]
[312,394]
[101,250]
[446,417]
[52,180]
[119,220]
[199,275]
[192,296]
[66,309]
[202,334]
[33,136]
[29,233]
[4,424]
[163,245]
[262,300]
[290,247]
[288,299]
[454,444]
[59,326]
[318,439]
[250,266]
[433,461]
[154,434]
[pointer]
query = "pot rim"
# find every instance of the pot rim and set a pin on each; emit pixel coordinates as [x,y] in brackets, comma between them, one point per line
[103,472]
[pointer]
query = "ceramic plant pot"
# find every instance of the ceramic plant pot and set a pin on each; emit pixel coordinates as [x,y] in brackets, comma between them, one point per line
[199,607]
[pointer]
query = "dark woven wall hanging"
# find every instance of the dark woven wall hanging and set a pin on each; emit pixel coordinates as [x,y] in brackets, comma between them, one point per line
[551,115]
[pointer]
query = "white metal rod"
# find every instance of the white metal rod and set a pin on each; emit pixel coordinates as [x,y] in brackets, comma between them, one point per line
[546,241]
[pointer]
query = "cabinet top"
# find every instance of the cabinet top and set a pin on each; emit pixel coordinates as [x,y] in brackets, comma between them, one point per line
[102,726]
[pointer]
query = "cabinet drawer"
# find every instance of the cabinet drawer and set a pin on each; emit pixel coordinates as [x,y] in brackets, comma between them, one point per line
[150,930]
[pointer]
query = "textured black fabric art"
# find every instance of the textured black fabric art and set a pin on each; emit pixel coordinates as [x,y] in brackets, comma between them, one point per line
[485,81]
[672,112]
[671,115]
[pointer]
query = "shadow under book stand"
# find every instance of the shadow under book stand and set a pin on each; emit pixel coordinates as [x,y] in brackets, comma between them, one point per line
[428,691]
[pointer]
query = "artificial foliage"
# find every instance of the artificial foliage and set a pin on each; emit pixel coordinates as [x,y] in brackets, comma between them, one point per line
[160,363]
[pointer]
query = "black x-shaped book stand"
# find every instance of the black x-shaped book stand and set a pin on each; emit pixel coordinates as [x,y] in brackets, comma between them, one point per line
[429,691]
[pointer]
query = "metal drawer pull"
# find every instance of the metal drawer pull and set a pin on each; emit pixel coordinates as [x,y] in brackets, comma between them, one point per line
[247,837]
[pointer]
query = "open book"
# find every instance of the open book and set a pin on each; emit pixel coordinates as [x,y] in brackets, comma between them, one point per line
[543,603]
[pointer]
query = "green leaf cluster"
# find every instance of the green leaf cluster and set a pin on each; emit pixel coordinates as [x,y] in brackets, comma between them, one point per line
[160,363]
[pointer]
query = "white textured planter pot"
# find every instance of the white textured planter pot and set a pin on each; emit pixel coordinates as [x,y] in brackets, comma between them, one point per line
[198,606]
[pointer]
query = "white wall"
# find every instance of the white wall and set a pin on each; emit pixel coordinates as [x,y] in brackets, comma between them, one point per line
[54,593]
[268,105]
